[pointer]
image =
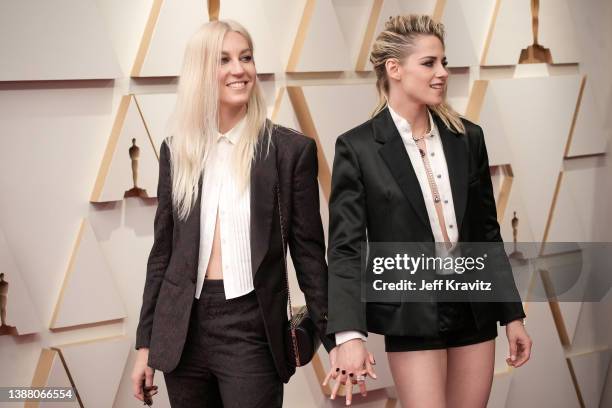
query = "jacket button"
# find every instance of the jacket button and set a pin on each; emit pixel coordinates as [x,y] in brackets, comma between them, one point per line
[324,315]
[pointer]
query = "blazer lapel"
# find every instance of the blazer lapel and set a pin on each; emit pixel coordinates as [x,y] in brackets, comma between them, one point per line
[191,230]
[264,178]
[456,154]
[394,155]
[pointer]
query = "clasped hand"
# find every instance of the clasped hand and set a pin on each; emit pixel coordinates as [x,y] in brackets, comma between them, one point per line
[350,363]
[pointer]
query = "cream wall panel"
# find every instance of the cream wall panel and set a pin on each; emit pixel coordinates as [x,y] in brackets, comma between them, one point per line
[20,311]
[286,17]
[90,361]
[458,90]
[595,47]
[397,7]
[51,373]
[88,294]
[547,364]
[495,133]
[324,47]
[539,123]
[57,137]
[115,176]
[466,23]
[125,22]
[64,39]
[499,390]
[353,16]
[252,14]
[590,370]
[285,114]
[177,21]
[337,109]
[512,32]
[156,111]
[589,136]
[515,204]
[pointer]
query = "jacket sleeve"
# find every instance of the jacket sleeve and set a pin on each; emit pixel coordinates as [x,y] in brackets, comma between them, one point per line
[509,311]
[160,254]
[347,234]
[307,242]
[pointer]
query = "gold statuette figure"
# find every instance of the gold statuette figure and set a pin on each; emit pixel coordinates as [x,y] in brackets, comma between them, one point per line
[535,53]
[135,191]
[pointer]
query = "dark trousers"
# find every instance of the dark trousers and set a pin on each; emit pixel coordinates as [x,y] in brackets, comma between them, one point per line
[226,361]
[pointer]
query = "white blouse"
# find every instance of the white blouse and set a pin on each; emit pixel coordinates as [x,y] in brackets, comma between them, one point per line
[222,193]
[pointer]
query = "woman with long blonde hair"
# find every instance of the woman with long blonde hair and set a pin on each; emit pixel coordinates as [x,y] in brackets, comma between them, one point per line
[234,190]
[416,172]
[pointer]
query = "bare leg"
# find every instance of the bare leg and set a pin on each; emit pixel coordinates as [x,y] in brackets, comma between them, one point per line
[470,375]
[419,377]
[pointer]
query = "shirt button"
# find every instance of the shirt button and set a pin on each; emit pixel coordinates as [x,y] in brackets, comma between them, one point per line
[433,154]
[445,201]
[439,176]
[450,226]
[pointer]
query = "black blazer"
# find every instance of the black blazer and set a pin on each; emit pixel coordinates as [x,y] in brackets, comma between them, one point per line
[173,262]
[376,197]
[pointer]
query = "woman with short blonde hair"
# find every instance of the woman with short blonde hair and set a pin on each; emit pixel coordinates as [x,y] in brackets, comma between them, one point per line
[416,172]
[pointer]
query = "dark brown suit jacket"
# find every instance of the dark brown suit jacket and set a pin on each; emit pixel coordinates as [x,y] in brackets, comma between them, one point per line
[173,262]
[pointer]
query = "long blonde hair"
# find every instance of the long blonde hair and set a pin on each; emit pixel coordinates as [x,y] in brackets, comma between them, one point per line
[396,41]
[194,122]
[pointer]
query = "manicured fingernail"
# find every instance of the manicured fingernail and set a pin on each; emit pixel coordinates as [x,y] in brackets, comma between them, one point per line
[343,372]
[512,358]
[337,369]
[351,374]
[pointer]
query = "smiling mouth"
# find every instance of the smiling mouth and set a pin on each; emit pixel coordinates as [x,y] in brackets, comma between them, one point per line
[437,86]
[237,84]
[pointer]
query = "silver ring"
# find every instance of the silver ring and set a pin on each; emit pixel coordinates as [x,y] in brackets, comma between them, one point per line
[361,378]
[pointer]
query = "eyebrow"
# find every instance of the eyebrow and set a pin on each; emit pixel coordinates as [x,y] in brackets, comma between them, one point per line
[432,56]
[241,52]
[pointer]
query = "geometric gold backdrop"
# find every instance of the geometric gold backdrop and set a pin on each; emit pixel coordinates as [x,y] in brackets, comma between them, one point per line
[101,78]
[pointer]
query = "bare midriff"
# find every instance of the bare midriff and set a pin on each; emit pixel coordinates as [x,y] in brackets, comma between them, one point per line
[214,269]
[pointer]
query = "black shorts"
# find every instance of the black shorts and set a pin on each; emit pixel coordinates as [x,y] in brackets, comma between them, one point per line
[456,328]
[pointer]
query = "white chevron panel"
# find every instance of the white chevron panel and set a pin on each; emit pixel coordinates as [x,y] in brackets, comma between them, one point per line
[115,175]
[96,367]
[589,135]
[397,7]
[156,111]
[177,21]
[512,32]
[553,387]
[254,16]
[324,47]
[88,293]
[466,23]
[20,311]
[55,40]
[590,370]
[336,109]
[536,131]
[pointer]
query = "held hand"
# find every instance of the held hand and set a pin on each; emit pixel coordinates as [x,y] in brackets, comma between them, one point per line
[520,344]
[140,372]
[350,362]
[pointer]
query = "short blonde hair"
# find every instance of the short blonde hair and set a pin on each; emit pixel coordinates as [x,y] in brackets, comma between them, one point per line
[396,41]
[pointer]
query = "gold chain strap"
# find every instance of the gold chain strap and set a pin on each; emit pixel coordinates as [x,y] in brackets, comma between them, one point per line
[282,230]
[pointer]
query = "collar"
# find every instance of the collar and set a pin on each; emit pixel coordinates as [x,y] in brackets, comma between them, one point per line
[233,135]
[404,127]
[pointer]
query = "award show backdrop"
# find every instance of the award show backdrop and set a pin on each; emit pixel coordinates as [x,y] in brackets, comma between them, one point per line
[87,86]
